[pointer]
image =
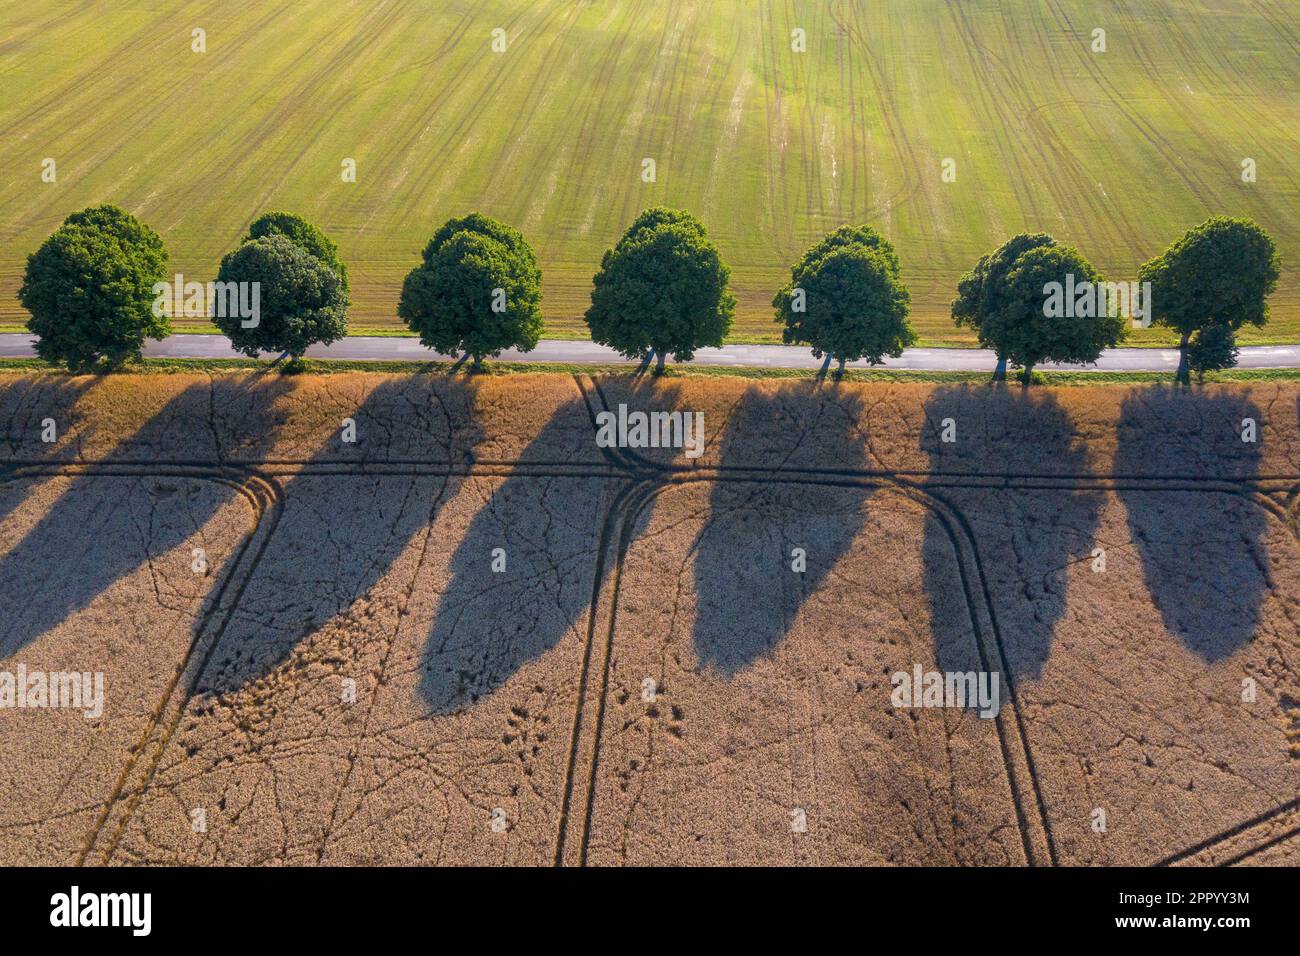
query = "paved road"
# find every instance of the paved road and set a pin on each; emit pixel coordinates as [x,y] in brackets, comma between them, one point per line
[389,348]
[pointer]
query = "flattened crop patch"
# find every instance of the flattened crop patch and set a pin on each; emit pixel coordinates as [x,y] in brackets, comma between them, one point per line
[1151,633]
[749,716]
[105,578]
[397,684]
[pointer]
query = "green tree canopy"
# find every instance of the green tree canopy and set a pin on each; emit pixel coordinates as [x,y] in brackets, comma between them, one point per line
[851,236]
[1217,276]
[662,289]
[1214,347]
[846,300]
[1052,309]
[301,299]
[657,216]
[90,289]
[302,233]
[981,292]
[478,290]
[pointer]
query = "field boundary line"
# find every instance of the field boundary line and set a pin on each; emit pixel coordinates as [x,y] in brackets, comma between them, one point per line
[206,639]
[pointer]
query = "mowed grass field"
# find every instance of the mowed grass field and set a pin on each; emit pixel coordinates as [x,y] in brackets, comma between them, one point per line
[1116,152]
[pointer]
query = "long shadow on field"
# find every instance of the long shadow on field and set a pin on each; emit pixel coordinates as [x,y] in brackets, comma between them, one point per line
[24,406]
[1203,554]
[342,528]
[1026,539]
[502,609]
[747,592]
[102,529]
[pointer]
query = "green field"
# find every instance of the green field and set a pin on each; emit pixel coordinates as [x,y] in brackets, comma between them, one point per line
[1116,152]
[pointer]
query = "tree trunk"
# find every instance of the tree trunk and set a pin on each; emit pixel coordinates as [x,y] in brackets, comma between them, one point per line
[645,362]
[1000,372]
[826,364]
[1027,375]
[659,363]
[1183,376]
[478,363]
[839,371]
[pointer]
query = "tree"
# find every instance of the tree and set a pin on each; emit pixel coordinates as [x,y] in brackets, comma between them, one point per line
[1214,348]
[851,236]
[1054,308]
[662,289]
[90,289]
[478,290]
[981,292]
[1216,277]
[846,300]
[301,233]
[655,217]
[301,300]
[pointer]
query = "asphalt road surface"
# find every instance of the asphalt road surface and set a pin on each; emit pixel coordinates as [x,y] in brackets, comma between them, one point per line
[393,348]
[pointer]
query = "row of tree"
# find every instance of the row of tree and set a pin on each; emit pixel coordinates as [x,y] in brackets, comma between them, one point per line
[1209,283]
[92,291]
[96,289]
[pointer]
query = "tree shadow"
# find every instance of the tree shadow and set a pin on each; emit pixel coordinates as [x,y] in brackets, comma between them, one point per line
[24,406]
[101,529]
[341,529]
[1203,554]
[747,591]
[493,619]
[1026,540]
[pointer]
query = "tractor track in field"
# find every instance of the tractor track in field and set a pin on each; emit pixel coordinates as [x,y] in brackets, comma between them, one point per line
[719,69]
[649,138]
[571,185]
[1015,101]
[656,137]
[981,62]
[1193,56]
[634,505]
[862,147]
[263,498]
[920,486]
[429,108]
[55,97]
[1190,854]
[782,236]
[1290,36]
[539,87]
[311,88]
[453,135]
[909,161]
[810,134]
[643,481]
[1190,55]
[140,115]
[261,483]
[848,85]
[1149,132]
[353,50]
[16,41]
[454,35]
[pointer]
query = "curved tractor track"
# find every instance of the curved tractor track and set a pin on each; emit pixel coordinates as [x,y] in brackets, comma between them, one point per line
[639,483]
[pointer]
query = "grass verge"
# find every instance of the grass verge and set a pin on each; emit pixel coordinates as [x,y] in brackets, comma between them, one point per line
[28,366]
